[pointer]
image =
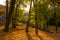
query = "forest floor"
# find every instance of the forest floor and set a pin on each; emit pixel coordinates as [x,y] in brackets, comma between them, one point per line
[20,34]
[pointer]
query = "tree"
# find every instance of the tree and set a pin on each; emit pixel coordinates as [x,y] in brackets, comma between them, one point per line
[14,18]
[8,15]
[36,20]
[27,27]
[54,8]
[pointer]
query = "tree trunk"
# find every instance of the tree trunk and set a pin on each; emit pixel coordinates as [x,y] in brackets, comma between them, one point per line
[55,20]
[14,19]
[6,24]
[36,23]
[54,3]
[8,15]
[27,27]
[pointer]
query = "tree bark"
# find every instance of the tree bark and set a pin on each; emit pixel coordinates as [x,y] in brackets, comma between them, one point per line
[55,20]
[27,27]
[8,15]
[36,23]
[15,14]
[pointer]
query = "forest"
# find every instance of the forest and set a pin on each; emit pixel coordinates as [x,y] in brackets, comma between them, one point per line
[37,15]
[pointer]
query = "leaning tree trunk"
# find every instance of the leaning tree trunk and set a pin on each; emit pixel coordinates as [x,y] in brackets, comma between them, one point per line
[27,27]
[8,15]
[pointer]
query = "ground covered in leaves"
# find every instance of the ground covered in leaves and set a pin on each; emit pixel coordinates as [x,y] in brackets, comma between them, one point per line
[20,34]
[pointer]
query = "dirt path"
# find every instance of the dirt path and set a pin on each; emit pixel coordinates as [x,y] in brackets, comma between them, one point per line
[20,34]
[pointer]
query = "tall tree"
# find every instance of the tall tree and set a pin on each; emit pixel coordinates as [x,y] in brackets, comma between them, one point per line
[8,15]
[54,8]
[27,27]
[35,10]
[14,19]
